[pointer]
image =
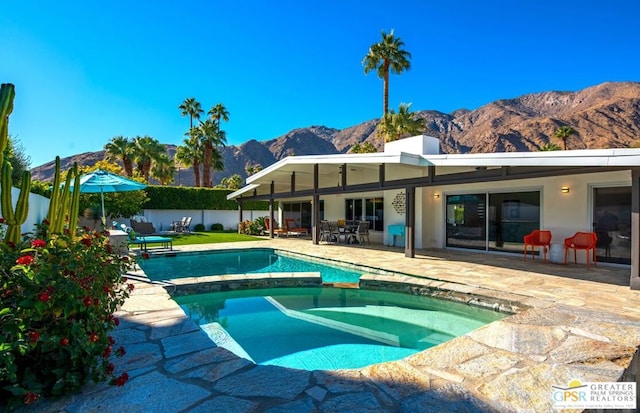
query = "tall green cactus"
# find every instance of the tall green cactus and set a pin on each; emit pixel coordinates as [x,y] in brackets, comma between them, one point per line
[63,202]
[13,219]
[7,93]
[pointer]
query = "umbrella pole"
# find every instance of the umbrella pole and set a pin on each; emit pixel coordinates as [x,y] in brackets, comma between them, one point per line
[104,218]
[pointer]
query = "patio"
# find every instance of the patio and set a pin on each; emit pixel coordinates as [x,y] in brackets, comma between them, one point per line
[581,324]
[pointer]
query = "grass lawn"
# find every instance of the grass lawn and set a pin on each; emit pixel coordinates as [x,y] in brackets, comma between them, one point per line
[211,238]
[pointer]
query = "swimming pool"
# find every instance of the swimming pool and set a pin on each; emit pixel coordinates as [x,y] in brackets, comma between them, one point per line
[329,328]
[240,261]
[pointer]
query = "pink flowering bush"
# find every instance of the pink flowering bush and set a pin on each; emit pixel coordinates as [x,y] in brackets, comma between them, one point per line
[57,299]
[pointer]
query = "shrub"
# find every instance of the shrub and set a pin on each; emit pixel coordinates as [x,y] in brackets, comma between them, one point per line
[250,227]
[198,228]
[217,227]
[57,302]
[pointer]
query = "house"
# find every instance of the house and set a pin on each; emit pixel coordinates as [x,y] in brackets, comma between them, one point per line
[484,202]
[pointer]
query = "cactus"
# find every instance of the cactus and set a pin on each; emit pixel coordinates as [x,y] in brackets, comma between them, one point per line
[64,204]
[14,219]
[7,93]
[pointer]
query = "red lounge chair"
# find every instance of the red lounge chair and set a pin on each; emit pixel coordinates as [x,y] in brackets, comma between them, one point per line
[581,241]
[276,231]
[291,230]
[537,238]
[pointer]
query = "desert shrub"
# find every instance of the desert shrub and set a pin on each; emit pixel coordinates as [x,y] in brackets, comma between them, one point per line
[217,227]
[57,299]
[198,228]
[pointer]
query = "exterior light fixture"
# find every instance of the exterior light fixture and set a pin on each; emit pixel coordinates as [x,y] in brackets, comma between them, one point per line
[565,189]
[436,196]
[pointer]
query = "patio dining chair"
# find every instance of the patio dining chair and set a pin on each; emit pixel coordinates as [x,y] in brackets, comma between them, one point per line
[328,232]
[581,241]
[537,238]
[363,231]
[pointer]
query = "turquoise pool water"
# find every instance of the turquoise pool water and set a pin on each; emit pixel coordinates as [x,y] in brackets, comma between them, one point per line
[329,328]
[240,261]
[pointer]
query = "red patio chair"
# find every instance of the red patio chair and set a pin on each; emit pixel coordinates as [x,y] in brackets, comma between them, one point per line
[537,238]
[581,241]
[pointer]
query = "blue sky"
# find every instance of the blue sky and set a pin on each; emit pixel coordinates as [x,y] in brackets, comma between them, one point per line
[87,71]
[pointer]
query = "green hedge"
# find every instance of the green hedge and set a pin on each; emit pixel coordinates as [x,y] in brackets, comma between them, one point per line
[173,197]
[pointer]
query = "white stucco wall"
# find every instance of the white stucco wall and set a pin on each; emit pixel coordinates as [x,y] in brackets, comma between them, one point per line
[162,219]
[38,209]
[562,214]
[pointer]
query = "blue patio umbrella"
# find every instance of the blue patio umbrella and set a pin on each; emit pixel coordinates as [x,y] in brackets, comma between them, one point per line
[103,181]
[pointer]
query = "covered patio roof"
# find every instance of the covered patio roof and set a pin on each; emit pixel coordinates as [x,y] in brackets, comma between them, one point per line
[413,163]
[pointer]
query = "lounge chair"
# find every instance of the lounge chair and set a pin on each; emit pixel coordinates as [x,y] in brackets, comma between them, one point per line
[276,231]
[292,229]
[145,228]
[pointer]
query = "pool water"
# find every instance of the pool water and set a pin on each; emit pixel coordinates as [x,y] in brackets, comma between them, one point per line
[329,328]
[241,261]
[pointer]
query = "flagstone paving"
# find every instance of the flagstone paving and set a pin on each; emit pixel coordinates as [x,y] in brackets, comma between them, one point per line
[571,323]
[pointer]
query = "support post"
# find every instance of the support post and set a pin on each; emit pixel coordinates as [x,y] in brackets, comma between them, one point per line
[315,207]
[410,223]
[271,220]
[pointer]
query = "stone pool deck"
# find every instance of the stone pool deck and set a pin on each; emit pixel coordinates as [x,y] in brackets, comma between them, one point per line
[572,324]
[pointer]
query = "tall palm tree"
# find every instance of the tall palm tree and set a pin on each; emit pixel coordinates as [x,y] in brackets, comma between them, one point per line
[219,113]
[121,149]
[191,154]
[563,133]
[146,151]
[384,57]
[217,162]
[192,108]
[164,170]
[212,137]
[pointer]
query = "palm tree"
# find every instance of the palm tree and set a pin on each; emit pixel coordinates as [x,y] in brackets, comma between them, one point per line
[251,169]
[192,108]
[384,57]
[191,154]
[400,125]
[212,137]
[120,148]
[549,147]
[217,162]
[219,112]
[364,147]
[563,133]
[164,170]
[146,151]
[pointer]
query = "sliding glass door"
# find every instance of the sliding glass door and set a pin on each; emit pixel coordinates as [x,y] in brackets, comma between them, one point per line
[612,224]
[512,216]
[499,227]
[466,221]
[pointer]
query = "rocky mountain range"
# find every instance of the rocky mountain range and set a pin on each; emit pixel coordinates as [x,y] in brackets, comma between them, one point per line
[603,116]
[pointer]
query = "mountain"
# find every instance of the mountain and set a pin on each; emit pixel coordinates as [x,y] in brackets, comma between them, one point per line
[603,116]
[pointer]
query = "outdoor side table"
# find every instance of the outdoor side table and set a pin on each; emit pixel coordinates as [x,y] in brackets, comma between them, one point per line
[556,253]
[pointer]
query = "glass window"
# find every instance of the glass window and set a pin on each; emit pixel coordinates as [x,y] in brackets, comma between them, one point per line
[374,213]
[353,209]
